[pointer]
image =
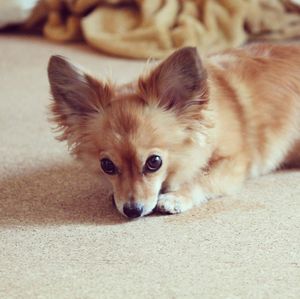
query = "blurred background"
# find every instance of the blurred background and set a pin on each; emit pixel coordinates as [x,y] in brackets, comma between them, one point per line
[153,28]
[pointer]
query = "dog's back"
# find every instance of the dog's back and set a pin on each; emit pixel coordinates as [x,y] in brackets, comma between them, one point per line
[257,90]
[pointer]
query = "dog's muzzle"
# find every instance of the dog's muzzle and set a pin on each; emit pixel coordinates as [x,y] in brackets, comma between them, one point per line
[131,209]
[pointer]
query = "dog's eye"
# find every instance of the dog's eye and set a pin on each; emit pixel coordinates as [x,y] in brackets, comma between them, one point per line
[153,163]
[108,166]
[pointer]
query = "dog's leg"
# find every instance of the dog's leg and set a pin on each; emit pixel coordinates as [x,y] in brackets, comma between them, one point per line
[185,198]
[226,176]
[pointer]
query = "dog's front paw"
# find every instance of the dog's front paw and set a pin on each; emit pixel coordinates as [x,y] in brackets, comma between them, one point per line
[170,203]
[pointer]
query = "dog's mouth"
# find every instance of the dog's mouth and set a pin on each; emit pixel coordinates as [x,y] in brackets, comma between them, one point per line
[162,191]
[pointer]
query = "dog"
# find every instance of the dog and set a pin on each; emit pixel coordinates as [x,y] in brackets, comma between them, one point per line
[187,130]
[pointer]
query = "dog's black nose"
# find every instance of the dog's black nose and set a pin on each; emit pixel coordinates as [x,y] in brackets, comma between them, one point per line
[133,210]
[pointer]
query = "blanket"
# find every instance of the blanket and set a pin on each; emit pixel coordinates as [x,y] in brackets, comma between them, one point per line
[155,28]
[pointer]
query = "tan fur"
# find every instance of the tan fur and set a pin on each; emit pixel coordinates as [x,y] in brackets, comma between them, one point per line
[214,123]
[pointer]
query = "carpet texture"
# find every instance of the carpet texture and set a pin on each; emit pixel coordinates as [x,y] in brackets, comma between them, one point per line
[60,236]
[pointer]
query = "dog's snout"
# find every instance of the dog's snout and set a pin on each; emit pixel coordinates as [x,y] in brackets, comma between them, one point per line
[133,210]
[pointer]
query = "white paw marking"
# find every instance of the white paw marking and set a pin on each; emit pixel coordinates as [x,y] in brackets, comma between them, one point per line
[173,204]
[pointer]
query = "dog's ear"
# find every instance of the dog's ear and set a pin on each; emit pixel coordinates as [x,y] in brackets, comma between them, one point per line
[76,96]
[75,90]
[177,82]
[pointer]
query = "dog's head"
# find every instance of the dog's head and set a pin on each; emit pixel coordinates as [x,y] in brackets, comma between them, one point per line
[144,136]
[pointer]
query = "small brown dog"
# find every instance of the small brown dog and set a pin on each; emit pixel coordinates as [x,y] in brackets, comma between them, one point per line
[187,130]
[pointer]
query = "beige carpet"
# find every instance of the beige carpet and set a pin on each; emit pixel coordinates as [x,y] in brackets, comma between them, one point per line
[60,236]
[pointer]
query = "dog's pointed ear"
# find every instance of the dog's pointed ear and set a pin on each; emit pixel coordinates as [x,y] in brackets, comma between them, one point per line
[74,90]
[177,82]
[77,99]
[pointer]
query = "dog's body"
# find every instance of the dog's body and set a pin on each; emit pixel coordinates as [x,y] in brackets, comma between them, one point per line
[187,131]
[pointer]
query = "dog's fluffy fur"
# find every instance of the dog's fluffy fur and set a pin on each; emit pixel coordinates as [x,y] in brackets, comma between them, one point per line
[214,123]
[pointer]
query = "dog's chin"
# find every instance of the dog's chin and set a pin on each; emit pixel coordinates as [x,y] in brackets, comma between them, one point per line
[147,208]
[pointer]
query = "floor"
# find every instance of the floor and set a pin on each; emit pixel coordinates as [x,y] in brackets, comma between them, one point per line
[60,236]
